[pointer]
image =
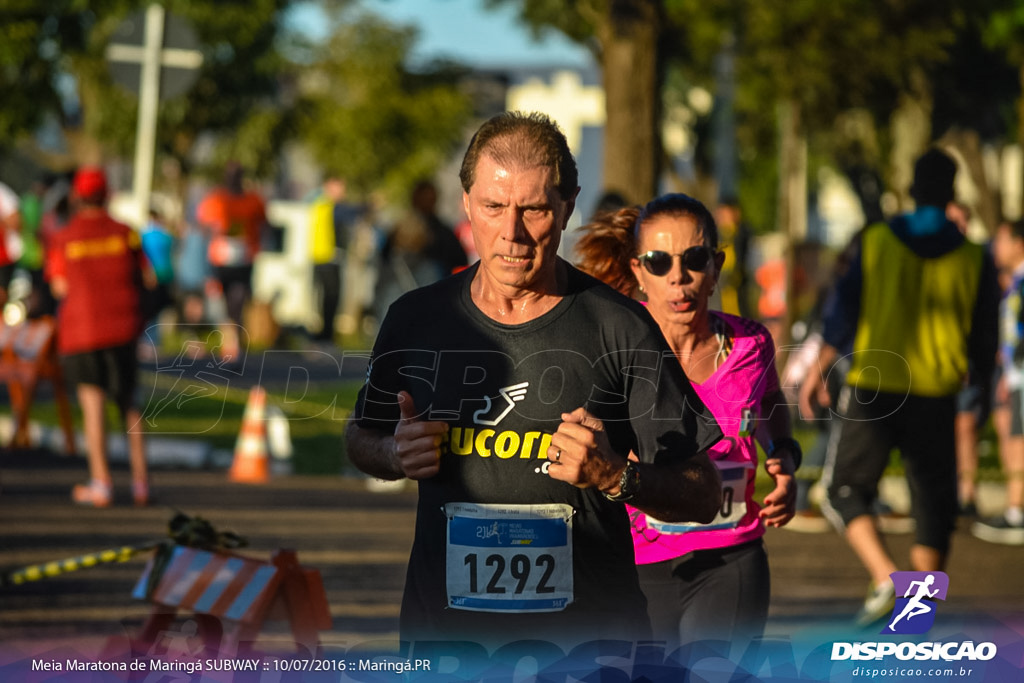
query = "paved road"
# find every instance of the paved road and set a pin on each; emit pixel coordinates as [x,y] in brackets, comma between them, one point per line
[359,541]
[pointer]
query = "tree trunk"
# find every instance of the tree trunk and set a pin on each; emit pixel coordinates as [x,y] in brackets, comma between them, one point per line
[987,205]
[631,70]
[792,206]
[1014,187]
[83,142]
[911,130]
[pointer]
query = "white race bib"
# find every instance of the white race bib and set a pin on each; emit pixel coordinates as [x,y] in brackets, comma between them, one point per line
[509,558]
[734,503]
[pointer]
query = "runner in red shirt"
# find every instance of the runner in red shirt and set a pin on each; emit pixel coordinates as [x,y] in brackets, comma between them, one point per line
[97,269]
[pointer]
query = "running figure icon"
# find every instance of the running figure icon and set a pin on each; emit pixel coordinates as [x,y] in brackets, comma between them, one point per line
[915,606]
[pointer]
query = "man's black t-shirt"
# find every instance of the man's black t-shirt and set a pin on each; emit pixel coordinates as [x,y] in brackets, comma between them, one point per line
[501,573]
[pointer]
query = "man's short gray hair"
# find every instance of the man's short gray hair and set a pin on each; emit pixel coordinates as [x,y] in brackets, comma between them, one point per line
[516,138]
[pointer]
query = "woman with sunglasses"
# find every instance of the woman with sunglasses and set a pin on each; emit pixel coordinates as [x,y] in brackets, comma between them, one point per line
[705,581]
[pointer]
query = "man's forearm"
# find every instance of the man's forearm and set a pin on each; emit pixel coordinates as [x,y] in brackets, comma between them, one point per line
[372,451]
[690,491]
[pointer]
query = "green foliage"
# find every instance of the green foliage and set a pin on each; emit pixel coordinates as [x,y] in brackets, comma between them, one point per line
[45,44]
[1004,28]
[577,19]
[34,40]
[977,88]
[827,56]
[840,54]
[370,119]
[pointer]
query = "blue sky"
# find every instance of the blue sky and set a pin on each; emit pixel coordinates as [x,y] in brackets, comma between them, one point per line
[462,30]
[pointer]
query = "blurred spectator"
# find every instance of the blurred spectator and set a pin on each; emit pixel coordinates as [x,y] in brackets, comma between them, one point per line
[158,246]
[325,229]
[901,389]
[235,218]
[192,270]
[735,233]
[973,403]
[10,229]
[771,304]
[1008,249]
[421,249]
[56,210]
[96,267]
[609,202]
[362,267]
[440,248]
[40,300]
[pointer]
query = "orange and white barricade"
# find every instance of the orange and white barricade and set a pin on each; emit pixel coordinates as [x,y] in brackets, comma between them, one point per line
[218,587]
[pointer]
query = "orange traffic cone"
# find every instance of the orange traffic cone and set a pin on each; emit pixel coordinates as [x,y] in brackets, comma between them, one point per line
[250,465]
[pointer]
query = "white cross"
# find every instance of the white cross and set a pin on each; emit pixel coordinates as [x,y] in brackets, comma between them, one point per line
[571,104]
[169,56]
[151,55]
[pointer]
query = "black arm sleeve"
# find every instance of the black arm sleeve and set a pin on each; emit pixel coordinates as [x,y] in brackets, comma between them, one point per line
[983,341]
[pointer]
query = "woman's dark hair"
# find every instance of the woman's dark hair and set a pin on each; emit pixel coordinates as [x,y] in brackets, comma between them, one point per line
[678,205]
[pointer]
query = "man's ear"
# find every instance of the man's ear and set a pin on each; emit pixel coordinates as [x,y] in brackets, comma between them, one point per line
[570,206]
[465,202]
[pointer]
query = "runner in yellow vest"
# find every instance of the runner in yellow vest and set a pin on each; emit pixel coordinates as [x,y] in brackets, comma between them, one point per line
[323,250]
[917,304]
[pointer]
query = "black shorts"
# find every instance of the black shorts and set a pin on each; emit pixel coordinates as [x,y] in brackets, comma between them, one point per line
[870,426]
[112,369]
[977,400]
[718,594]
[236,282]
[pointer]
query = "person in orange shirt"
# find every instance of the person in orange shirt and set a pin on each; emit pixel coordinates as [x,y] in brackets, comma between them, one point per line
[234,218]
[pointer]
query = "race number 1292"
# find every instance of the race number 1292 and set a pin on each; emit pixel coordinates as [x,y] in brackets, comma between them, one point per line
[509,558]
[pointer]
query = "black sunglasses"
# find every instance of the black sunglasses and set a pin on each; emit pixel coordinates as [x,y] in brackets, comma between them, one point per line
[658,263]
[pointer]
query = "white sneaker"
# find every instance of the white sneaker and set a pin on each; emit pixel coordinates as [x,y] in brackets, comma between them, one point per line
[877,605]
[999,530]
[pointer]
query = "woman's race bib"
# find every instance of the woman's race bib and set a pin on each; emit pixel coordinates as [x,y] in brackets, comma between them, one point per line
[509,558]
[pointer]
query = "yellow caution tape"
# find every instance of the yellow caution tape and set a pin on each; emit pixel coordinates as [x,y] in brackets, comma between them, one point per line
[46,570]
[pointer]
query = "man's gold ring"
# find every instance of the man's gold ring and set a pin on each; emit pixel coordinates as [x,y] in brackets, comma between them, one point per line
[558,455]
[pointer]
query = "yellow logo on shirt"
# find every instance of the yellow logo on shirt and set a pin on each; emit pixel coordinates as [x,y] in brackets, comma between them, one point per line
[113,245]
[488,442]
